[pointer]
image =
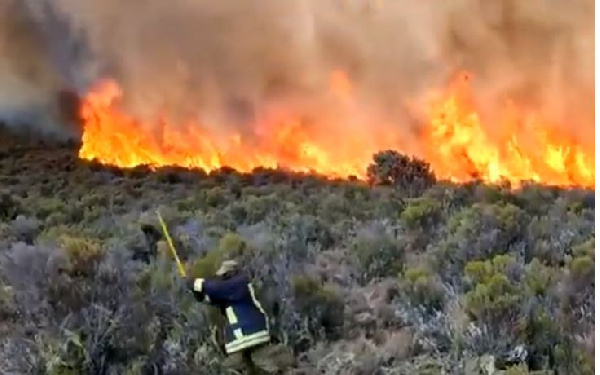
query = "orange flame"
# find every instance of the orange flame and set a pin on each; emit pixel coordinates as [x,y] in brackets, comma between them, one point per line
[455,142]
[459,148]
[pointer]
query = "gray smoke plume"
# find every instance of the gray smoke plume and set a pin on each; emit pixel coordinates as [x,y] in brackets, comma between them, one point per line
[27,80]
[226,61]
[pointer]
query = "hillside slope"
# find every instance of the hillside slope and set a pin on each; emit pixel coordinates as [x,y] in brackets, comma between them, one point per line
[358,279]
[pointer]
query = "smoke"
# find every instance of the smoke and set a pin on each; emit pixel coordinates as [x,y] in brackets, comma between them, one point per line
[539,54]
[227,62]
[27,81]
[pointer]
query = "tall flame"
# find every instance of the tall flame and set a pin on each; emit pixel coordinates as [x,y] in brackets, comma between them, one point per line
[455,142]
[529,149]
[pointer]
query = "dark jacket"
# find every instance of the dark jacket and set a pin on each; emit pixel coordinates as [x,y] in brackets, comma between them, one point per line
[247,323]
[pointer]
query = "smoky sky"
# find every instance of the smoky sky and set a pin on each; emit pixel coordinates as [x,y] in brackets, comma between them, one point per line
[224,62]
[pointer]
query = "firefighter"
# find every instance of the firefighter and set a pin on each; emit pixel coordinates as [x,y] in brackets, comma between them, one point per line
[246,332]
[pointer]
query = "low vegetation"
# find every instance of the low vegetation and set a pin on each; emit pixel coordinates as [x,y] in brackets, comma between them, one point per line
[405,275]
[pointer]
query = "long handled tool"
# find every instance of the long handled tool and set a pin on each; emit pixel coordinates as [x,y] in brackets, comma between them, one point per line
[171,246]
[213,331]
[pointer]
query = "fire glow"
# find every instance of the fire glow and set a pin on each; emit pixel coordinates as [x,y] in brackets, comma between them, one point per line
[454,141]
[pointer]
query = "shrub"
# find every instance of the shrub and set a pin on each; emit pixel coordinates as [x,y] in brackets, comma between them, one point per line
[170,215]
[230,246]
[577,290]
[422,289]
[216,197]
[539,278]
[25,229]
[157,276]
[304,231]
[582,268]
[319,304]
[585,249]
[492,299]
[378,255]
[83,255]
[9,206]
[492,194]
[44,207]
[333,207]
[258,208]
[505,220]
[421,213]
[7,307]
[502,268]
[479,232]
[553,236]
[6,234]
[572,360]
[412,175]
[517,370]
[492,294]
[483,271]
[535,199]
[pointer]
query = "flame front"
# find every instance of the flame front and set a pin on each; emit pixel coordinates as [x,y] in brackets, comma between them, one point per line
[455,142]
[530,149]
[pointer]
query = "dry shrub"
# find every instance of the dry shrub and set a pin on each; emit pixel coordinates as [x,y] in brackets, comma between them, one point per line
[397,345]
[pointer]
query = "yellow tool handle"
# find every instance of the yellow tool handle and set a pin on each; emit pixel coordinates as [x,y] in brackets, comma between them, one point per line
[171,246]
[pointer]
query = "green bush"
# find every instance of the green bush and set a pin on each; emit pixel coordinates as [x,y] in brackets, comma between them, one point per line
[258,208]
[586,248]
[492,294]
[483,271]
[83,255]
[323,306]
[379,256]
[333,207]
[46,206]
[186,204]
[581,262]
[421,213]
[156,277]
[582,267]
[492,193]
[572,360]
[95,200]
[216,197]
[307,287]
[479,232]
[539,278]
[230,246]
[536,199]
[422,288]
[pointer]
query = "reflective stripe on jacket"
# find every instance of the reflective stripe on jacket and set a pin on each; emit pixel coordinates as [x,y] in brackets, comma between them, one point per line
[247,323]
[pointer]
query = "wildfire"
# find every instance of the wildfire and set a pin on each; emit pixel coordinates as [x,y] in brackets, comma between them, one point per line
[459,148]
[455,142]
